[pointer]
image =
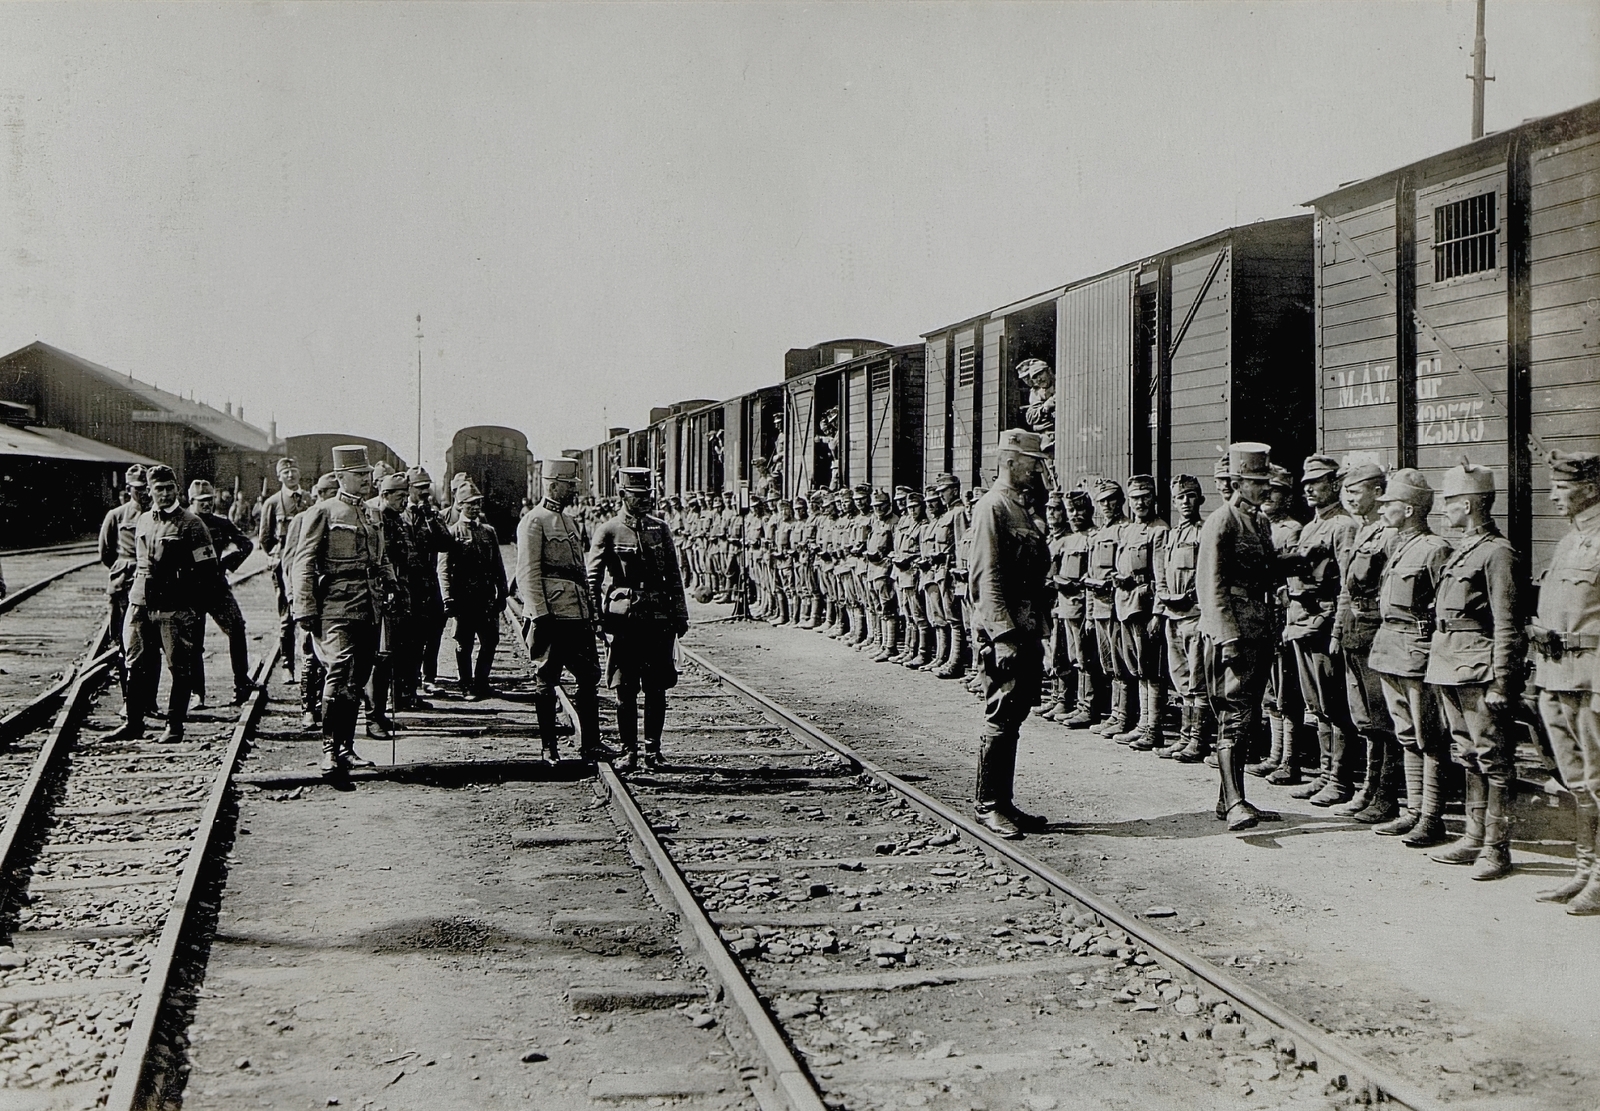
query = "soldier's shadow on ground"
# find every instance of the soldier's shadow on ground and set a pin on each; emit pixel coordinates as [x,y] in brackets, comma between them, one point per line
[1204,823]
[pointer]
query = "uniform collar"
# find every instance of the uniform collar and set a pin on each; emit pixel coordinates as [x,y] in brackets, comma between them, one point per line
[1589,519]
[350,499]
[550,505]
[167,514]
[1334,509]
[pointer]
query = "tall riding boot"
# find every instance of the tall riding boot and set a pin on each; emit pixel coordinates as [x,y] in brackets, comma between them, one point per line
[1338,788]
[956,666]
[1387,777]
[655,723]
[586,701]
[310,692]
[1117,720]
[628,731]
[1262,768]
[1369,781]
[889,634]
[1412,811]
[378,688]
[464,670]
[1465,849]
[544,705]
[1324,766]
[997,765]
[1199,735]
[1429,829]
[1494,860]
[1583,856]
[286,653]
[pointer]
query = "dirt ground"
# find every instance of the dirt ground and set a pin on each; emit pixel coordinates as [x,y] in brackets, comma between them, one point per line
[1470,989]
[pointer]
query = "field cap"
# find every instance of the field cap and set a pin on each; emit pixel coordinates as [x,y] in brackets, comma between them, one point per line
[1029,369]
[1248,459]
[1141,484]
[863,488]
[286,461]
[160,473]
[1279,477]
[634,478]
[1079,498]
[903,491]
[418,476]
[1105,489]
[1360,472]
[200,488]
[881,497]
[1318,466]
[1186,482]
[393,483]
[932,490]
[350,457]
[135,476]
[565,470]
[1055,501]
[467,494]
[327,484]
[1575,466]
[1409,485]
[1020,441]
[381,470]
[1466,478]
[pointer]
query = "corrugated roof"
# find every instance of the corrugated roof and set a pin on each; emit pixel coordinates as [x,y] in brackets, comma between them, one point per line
[215,423]
[59,444]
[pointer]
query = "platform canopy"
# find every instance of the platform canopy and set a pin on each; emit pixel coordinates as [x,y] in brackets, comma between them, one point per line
[62,446]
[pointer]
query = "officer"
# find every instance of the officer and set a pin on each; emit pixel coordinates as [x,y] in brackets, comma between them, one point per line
[474,593]
[1355,621]
[553,584]
[394,662]
[948,532]
[1010,599]
[1235,575]
[1177,605]
[907,580]
[119,554]
[878,554]
[341,591]
[1565,636]
[1282,704]
[429,537]
[1101,586]
[276,513]
[175,567]
[635,585]
[1139,649]
[232,548]
[1399,653]
[1475,664]
[313,674]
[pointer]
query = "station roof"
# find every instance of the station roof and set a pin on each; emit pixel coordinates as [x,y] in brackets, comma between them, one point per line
[63,446]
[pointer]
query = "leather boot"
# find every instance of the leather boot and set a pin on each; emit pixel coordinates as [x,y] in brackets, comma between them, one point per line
[887,635]
[997,765]
[925,649]
[352,759]
[544,706]
[464,671]
[1239,813]
[1406,820]
[1150,733]
[1133,692]
[130,730]
[1389,782]
[330,757]
[1199,737]
[1494,859]
[1287,773]
[1465,849]
[1369,782]
[1583,857]
[1324,767]
[655,723]
[628,733]
[1429,829]
[956,666]
[1338,788]
[1263,768]
[586,701]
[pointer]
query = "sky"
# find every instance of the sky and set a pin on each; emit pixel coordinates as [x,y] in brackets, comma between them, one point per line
[598,208]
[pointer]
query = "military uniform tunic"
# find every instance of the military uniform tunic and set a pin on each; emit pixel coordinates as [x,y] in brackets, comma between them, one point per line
[1399,652]
[174,569]
[632,567]
[341,584]
[1235,574]
[553,583]
[1138,634]
[1178,606]
[1313,587]
[1566,643]
[1101,592]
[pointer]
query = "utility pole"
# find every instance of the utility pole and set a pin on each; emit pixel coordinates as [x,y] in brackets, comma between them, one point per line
[1480,51]
[419,391]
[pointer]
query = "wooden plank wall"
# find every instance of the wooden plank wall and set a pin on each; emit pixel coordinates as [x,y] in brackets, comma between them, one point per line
[1357,396]
[992,392]
[1094,378]
[1202,364]
[799,433]
[963,422]
[856,455]
[936,406]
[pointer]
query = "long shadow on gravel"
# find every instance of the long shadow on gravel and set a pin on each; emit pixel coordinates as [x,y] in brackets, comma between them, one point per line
[1204,823]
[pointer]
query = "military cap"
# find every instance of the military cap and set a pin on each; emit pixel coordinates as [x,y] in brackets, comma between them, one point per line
[566,470]
[1221,469]
[863,488]
[1354,472]
[933,490]
[1106,488]
[1575,466]
[634,478]
[200,488]
[286,461]
[1279,477]
[160,473]
[327,484]
[1318,466]
[135,476]
[881,496]
[1409,485]
[903,491]
[393,483]
[1079,498]
[945,478]
[350,457]
[458,478]
[381,470]
[1053,500]
[1141,484]
[1030,369]
[1020,441]
[467,494]
[802,500]
[1186,482]
[418,476]
[1466,477]
[1248,459]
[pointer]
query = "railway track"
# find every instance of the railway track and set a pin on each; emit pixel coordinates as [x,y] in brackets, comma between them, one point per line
[875,945]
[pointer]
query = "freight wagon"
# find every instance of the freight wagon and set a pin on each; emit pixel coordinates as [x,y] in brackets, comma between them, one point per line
[497,460]
[1458,313]
[735,446]
[856,420]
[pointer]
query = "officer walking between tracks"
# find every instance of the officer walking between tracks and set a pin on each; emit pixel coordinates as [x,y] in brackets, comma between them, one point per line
[1565,637]
[554,587]
[313,674]
[392,660]
[119,555]
[341,590]
[1400,653]
[1235,573]
[635,585]
[1475,663]
[232,548]
[174,569]
[430,536]
[474,592]
[276,512]
[1009,562]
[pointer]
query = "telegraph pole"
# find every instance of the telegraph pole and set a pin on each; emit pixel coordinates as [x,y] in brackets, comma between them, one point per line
[1480,51]
[419,391]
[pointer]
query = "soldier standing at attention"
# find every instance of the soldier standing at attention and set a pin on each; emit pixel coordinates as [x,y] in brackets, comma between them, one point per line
[1566,640]
[869,637]
[635,585]
[1010,598]
[1282,706]
[394,661]
[1475,664]
[1139,649]
[232,548]
[1101,584]
[276,513]
[1176,603]
[474,593]
[948,532]
[1400,653]
[119,554]
[554,587]
[880,573]
[908,582]
[1058,698]
[341,589]
[1235,575]
[932,573]
[429,538]
[175,567]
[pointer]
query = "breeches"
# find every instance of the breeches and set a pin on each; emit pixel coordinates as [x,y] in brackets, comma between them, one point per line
[933,604]
[1184,664]
[1414,712]
[1479,738]
[641,656]
[1009,696]
[1364,697]
[1322,680]
[1138,648]
[1105,640]
[884,597]
[909,600]
[559,644]
[1572,720]
[346,649]
[1235,687]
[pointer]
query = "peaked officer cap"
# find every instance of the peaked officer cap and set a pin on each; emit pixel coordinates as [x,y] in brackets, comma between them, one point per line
[1079,498]
[1021,441]
[350,457]
[863,488]
[1248,459]
[1054,501]
[200,488]
[1030,369]
[1409,485]
[394,482]
[1141,484]
[945,478]
[634,478]
[1466,478]
[1361,472]
[1575,466]
[135,476]
[1318,466]
[1279,477]
[564,469]
[1186,482]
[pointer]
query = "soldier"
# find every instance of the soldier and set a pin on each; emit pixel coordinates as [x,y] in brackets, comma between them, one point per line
[932,575]
[1355,621]
[908,583]
[1282,705]
[1221,482]
[1010,602]
[1475,665]
[313,675]
[341,588]
[474,593]
[428,538]
[1041,412]
[948,572]
[634,583]
[1101,586]
[119,554]
[1177,605]
[1139,649]
[555,596]
[1058,668]
[1235,574]
[869,623]
[276,513]
[1399,652]
[394,664]
[781,561]
[232,548]
[1565,637]
[878,553]
[174,569]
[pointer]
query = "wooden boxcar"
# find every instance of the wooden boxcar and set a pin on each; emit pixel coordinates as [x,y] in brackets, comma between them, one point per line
[496,458]
[314,453]
[1458,312]
[1159,363]
[854,421]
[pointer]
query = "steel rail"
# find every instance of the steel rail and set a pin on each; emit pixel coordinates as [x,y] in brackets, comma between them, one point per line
[129,1086]
[53,549]
[17,597]
[1376,1079]
[22,720]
